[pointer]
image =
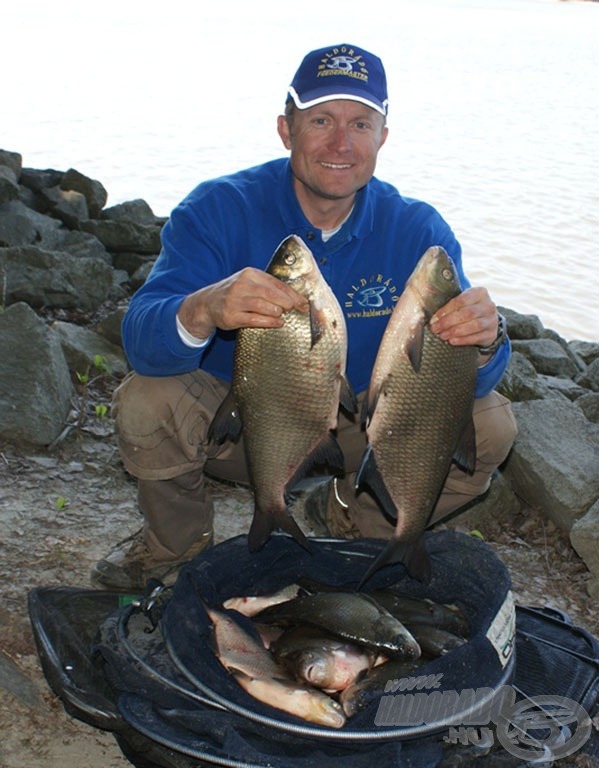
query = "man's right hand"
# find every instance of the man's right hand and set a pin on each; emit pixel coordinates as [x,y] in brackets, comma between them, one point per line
[250,298]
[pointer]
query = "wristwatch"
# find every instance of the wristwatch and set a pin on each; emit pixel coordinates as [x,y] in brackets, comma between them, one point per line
[499,339]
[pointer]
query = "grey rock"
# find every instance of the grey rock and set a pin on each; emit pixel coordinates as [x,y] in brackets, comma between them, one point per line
[125,235]
[587,351]
[44,278]
[9,188]
[589,405]
[13,160]
[82,244]
[139,277]
[94,191]
[584,537]
[67,205]
[110,326]
[554,464]
[521,381]
[137,211]
[557,386]
[521,326]
[131,262]
[589,378]
[38,180]
[19,225]
[547,356]
[81,347]
[35,385]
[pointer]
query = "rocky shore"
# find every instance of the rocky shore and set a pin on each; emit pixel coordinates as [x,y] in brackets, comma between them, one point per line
[68,265]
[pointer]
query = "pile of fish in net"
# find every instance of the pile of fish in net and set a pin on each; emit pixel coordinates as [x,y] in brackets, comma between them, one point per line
[317,653]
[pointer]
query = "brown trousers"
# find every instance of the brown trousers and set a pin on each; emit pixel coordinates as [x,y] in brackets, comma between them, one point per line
[162,425]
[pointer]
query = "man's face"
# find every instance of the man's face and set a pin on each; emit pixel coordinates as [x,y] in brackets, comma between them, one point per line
[334,147]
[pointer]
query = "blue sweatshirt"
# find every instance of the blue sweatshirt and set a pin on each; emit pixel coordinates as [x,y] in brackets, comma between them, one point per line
[236,221]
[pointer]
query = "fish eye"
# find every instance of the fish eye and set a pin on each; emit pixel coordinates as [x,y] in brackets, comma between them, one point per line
[447,273]
[290,259]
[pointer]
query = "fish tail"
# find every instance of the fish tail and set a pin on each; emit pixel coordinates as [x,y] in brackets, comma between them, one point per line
[265,523]
[412,555]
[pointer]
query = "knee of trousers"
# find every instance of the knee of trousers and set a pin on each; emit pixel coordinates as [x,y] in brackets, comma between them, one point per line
[496,429]
[162,423]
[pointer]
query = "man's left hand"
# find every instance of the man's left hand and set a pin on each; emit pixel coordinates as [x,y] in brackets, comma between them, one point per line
[470,318]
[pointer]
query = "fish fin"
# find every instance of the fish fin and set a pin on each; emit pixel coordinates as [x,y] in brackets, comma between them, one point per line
[369,475]
[465,454]
[412,554]
[415,346]
[226,424]
[347,396]
[327,453]
[317,326]
[365,413]
[369,403]
[263,524]
[240,676]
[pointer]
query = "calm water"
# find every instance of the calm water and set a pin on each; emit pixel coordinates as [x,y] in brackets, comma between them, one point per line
[493,116]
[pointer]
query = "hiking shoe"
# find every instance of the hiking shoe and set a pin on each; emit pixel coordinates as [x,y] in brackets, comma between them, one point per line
[326,513]
[130,564]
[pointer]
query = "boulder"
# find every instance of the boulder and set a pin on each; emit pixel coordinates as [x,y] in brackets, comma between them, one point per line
[553,465]
[35,385]
[93,191]
[53,279]
[82,348]
[585,540]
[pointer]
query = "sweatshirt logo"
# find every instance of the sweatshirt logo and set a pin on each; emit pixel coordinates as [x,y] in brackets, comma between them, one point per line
[374,296]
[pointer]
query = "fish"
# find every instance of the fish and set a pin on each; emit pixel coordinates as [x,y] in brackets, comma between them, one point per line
[320,659]
[435,641]
[255,670]
[418,414]
[367,686]
[250,605]
[422,611]
[288,384]
[351,616]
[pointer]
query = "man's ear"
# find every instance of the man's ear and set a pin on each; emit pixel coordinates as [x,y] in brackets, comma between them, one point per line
[283,130]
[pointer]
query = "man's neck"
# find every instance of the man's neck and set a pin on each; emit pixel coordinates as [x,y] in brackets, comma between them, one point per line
[325,214]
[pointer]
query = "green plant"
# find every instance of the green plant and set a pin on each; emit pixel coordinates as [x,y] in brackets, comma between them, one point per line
[101,410]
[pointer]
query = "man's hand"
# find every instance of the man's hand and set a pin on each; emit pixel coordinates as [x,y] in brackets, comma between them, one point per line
[251,298]
[470,318]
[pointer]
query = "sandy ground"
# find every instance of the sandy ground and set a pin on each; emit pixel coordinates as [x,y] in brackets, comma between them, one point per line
[61,510]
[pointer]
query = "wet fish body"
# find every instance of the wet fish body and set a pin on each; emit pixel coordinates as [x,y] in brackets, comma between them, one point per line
[348,615]
[363,691]
[287,386]
[419,413]
[422,611]
[256,671]
[435,641]
[250,605]
[319,659]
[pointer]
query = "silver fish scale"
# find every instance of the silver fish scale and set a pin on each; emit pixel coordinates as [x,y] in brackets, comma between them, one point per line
[287,393]
[417,424]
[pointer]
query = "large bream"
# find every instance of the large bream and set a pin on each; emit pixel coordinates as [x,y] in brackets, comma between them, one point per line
[286,390]
[419,412]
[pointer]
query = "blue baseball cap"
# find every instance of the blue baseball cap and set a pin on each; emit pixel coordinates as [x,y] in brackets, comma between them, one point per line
[340,72]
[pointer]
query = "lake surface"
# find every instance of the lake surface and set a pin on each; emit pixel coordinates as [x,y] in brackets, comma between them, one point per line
[494,108]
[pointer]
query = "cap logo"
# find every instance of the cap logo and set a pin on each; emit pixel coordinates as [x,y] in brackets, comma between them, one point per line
[341,61]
